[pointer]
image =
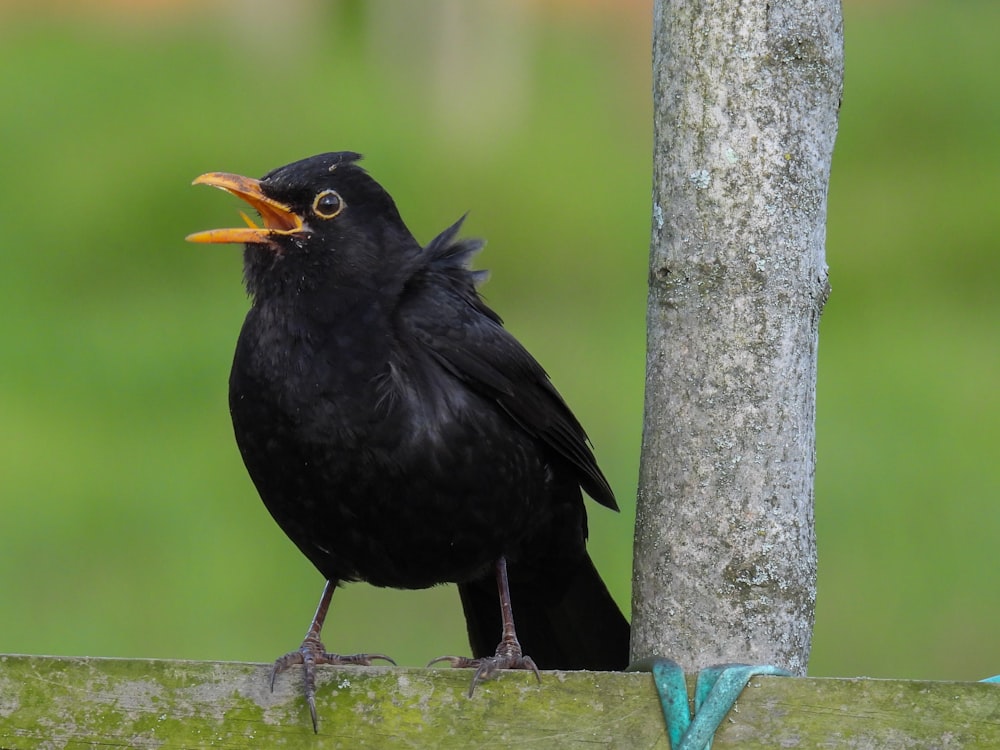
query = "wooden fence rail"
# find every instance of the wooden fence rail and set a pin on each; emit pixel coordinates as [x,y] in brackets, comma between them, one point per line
[57,702]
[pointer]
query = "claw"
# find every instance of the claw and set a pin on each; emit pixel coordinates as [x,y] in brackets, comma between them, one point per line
[311,653]
[489,667]
[508,654]
[457,662]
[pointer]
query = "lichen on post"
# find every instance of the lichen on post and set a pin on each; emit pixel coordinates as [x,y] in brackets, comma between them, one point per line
[746,97]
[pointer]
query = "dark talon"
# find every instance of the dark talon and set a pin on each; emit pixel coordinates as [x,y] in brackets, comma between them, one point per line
[489,667]
[313,652]
[457,662]
[508,654]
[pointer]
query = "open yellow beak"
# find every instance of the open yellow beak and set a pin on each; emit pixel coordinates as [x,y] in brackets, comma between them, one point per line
[278,218]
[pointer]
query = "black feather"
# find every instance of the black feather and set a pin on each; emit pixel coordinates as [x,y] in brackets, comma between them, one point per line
[400,435]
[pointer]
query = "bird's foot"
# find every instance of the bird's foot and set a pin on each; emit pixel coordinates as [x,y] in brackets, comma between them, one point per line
[311,653]
[508,656]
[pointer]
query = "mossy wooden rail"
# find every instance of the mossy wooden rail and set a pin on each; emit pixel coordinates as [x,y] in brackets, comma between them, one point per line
[55,702]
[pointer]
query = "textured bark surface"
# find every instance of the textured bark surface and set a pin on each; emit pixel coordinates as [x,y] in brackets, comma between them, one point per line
[746,96]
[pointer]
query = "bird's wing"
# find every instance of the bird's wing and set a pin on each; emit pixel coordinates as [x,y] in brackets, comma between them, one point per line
[441,308]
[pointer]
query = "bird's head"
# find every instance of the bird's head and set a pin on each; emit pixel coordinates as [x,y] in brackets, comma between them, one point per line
[320,216]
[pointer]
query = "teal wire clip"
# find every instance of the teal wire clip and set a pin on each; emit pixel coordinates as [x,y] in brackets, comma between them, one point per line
[715,693]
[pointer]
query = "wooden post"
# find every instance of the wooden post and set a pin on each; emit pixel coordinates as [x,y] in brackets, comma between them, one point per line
[746,97]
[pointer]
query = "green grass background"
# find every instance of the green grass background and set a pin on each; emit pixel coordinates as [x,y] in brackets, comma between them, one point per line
[127,524]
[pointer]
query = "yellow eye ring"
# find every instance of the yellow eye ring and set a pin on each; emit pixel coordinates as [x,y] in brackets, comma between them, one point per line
[328,204]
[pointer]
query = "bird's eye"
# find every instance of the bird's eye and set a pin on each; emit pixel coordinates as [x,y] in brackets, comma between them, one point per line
[328,204]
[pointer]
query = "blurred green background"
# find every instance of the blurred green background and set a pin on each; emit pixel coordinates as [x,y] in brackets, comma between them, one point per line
[127,524]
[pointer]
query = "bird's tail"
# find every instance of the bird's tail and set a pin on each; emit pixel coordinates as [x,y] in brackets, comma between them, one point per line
[565,618]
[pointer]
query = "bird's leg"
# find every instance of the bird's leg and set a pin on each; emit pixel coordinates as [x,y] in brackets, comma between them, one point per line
[313,652]
[508,654]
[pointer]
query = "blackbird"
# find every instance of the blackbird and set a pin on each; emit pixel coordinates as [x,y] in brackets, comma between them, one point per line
[399,435]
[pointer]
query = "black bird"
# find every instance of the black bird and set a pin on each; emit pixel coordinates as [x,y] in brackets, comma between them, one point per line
[399,434]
